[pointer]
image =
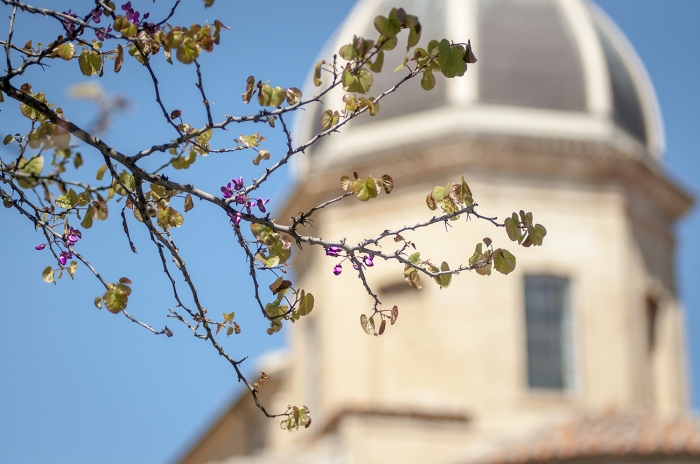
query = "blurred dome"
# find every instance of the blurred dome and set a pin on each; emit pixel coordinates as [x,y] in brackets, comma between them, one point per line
[558,69]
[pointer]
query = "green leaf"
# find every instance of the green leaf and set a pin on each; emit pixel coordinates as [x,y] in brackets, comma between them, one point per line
[9,138]
[72,268]
[388,27]
[428,80]
[364,190]
[63,202]
[361,82]
[188,51]
[279,252]
[98,302]
[445,279]
[263,154]
[277,97]
[329,119]
[306,303]
[90,62]
[348,52]
[503,261]
[101,172]
[66,51]
[127,180]
[168,218]
[264,234]
[345,182]
[414,258]
[378,62]
[317,73]
[279,285]
[189,204]
[87,220]
[118,58]
[468,54]
[430,201]
[438,193]
[116,297]
[536,234]
[412,276]
[450,59]
[47,275]
[413,36]
[513,228]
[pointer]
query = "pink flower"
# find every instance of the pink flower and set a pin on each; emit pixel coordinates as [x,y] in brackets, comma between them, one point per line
[338,269]
[64,257]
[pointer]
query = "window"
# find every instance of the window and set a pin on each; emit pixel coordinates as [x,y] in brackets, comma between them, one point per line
[548,326]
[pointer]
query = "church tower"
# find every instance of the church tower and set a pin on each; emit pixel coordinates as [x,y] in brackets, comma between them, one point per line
[557,117]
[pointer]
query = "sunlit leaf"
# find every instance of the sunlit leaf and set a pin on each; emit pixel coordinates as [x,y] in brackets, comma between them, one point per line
[66,51]
[118,58]
[364,190]
[503,261]
[188,51]
[47,275]
[317,73]
[306,303]
[189,204]
[90,62]
[361,82]
[368,325]
[116,297]
[412,276]
[169,217]
[293,95]
[101,172]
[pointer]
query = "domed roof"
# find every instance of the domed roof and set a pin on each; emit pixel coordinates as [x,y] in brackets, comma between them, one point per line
[547,68]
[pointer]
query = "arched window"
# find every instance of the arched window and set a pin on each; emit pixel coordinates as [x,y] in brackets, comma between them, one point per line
[548,326]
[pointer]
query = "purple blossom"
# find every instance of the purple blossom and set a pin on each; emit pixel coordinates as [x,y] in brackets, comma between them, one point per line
[355,266]
[69,26]
[338,269]
[102,33]
[248,204]
[333,251]
[261,204]
[238,183]
[96,15]
[240,199]
[368,260]
[64,257]
[71,237]
[226,190]
[40,247]
[235,218]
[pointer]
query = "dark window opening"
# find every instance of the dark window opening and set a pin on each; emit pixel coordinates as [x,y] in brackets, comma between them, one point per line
[548,327]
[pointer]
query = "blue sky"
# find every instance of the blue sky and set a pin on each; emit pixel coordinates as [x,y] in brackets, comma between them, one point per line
[81,385]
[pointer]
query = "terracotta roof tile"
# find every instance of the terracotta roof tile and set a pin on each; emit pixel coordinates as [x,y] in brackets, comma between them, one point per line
[609,434]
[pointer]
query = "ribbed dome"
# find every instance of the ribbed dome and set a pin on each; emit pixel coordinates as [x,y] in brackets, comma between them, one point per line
[552,68]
